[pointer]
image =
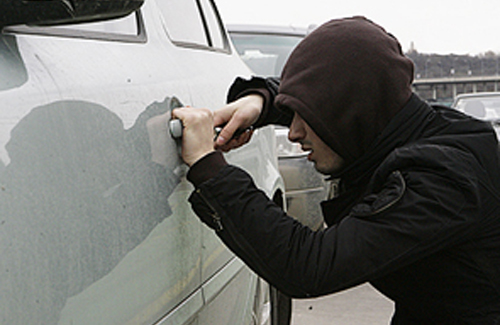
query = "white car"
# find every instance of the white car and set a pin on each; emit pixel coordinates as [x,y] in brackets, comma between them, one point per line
[95,226]
[484,106]
[265,49]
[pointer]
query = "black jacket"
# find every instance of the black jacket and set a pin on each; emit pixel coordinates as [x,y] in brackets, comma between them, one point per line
[418,217]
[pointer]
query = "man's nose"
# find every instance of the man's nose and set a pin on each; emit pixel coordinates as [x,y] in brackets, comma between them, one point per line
[296,131]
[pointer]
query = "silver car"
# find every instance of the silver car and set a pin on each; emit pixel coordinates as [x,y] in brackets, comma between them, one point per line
[265,49]
[484,106]
[95,226]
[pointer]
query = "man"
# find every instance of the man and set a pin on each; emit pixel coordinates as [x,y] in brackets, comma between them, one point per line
[418,207]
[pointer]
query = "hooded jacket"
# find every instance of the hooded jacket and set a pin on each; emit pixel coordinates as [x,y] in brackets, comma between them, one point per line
[418,211]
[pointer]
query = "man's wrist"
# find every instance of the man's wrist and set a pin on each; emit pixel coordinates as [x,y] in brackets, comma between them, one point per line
[206,167]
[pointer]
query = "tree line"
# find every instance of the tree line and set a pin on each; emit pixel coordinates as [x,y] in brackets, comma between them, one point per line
[454,65]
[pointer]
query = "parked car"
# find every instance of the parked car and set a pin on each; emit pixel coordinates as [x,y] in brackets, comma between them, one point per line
[265,50]
[95,226]
[484,106]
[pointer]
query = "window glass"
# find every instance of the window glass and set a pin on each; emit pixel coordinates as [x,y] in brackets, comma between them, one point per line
[183,21]
[123,26]
[487,108]
[265,54]
[213,24]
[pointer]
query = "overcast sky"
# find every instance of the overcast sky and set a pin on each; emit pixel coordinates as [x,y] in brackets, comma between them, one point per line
[434,26]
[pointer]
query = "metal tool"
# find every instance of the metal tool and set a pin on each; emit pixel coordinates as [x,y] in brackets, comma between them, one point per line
[176,128]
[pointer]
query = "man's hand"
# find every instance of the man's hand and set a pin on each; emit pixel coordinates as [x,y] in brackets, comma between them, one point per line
[198,132]
[238,115]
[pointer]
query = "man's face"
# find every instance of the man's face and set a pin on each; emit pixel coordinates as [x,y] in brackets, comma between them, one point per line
[326,161]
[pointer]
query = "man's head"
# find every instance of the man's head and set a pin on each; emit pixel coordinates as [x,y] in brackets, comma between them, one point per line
[346,80]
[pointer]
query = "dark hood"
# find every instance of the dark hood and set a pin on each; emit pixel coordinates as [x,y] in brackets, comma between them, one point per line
[347,80]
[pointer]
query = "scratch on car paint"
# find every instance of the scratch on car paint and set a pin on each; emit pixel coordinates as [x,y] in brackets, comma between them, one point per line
[49,74]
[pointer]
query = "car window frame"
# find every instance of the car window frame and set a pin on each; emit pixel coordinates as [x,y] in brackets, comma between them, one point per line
[210,47]
[69,32]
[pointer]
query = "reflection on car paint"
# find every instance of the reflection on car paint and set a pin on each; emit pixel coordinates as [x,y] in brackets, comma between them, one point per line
[75,156]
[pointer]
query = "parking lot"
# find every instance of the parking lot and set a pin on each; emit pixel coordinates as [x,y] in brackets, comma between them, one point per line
[362,305]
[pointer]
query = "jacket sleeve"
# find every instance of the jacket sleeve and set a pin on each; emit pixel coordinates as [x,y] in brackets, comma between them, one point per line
[268,89]
[410,213]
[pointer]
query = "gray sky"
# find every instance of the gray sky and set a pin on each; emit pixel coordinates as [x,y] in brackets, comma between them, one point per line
[434,26]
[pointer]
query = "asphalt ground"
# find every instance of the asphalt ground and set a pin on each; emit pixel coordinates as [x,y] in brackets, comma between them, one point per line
[362,305]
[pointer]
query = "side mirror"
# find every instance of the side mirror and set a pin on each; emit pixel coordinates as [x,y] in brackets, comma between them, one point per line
[57,12]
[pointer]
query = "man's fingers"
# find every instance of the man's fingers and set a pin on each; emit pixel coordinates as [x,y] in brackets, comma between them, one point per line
[223,115]
[178,113]
[227,132]
[236,142]
[198,132]
[238,115]
[191,117]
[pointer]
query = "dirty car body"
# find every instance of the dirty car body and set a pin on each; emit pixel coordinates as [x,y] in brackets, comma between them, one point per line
[95,227]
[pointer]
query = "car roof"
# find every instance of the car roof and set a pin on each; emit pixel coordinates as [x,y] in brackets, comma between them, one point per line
[475,95]
[480,94]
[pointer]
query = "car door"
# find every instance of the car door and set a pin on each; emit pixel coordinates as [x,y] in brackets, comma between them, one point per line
[229,288]
[93,230]
[95,227]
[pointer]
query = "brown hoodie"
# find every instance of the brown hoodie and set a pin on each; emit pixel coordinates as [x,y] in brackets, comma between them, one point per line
[347,79]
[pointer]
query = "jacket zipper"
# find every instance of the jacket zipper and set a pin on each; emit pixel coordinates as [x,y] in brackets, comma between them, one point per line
[215,216]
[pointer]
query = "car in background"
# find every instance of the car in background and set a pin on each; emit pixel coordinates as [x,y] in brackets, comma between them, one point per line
[95,224]
[265,49]
[484,106]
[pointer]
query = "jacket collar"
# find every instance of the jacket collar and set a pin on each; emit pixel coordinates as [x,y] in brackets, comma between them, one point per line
[406,126]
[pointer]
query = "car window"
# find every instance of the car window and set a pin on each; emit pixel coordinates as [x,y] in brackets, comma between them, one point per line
[487,108]
[127,29]
[265,54]
[214,27]
[183,21]
[123,26]
[193,23]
